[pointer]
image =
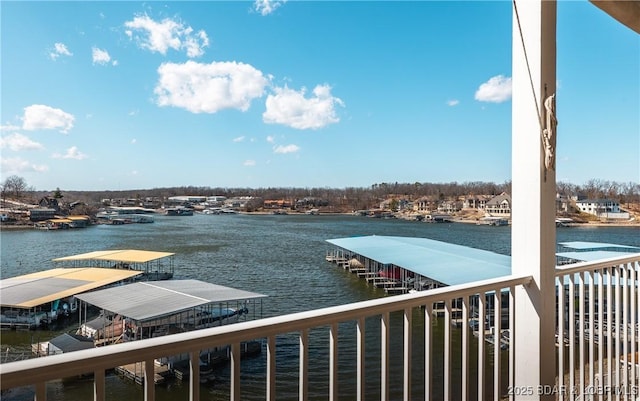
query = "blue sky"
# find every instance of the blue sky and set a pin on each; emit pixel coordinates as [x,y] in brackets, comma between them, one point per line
[135,95]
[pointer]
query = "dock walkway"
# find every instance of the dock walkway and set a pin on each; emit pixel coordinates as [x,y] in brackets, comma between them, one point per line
[389,285]
[135,372]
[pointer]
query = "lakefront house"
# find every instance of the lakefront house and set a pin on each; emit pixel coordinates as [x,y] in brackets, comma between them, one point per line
[604,208]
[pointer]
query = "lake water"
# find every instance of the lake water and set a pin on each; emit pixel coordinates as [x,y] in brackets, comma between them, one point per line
[281,256]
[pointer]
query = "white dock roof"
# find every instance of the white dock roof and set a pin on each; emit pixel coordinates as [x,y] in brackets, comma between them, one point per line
[31,290]
[153,299]
[584,245]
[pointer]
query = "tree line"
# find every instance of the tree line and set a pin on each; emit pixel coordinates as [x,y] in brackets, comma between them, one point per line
[354,198]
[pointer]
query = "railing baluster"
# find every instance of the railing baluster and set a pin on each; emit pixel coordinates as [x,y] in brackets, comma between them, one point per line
[591,276]
[465,348]
[481,305]
[581,380]
[271,368]
[512,338]
[572,337]
[384,351]
[634,321]
[497,317]
[407,353]
[98,385]
[303,392]
[235,372]
[560,336]
[150,382]
[625,327]
[447,350]
[428,351]
[601,339]
[617,310]
[609,323]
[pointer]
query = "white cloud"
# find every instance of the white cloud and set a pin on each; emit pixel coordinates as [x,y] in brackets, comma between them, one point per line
[209,88]
[17,142]
[9,127]
[495,90]
[39,116]
[166,34]
[72,153]
[291,108]
[453,102]
[249,163]
[134,141]
[238,139]
[271,139]
[266,7]
[286,149]
[18,165]
[59,49]
[101,57]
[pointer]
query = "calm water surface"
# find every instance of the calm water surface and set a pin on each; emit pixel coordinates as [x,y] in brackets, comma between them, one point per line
[281,256]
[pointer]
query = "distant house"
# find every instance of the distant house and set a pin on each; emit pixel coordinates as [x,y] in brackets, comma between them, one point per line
[276,203]
[49,203]
[395,204]
[604,208]
[41,213]
[311,201]
[240,202]
[450,206]
[499,205]
[475,202]
[424,204]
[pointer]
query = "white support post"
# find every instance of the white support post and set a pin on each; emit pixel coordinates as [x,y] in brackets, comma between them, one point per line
[533,193]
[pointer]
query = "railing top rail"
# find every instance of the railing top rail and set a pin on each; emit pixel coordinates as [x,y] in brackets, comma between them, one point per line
[594,265]
[71,364]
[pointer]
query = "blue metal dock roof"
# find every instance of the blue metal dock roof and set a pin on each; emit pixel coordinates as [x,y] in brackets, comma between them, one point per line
[583,245]
[590,256]
[447,263]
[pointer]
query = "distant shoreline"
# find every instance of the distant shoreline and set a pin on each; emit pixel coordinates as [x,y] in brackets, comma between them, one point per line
[632,224]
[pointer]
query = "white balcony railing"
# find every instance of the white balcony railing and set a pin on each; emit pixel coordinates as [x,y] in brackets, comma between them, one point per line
[598,354]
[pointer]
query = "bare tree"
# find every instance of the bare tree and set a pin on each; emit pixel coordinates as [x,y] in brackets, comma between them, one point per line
[14,186]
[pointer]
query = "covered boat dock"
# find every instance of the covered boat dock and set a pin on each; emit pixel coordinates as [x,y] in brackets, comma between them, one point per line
[34,299]
[582,251]
[148,309]
[155,265]
[402,264]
